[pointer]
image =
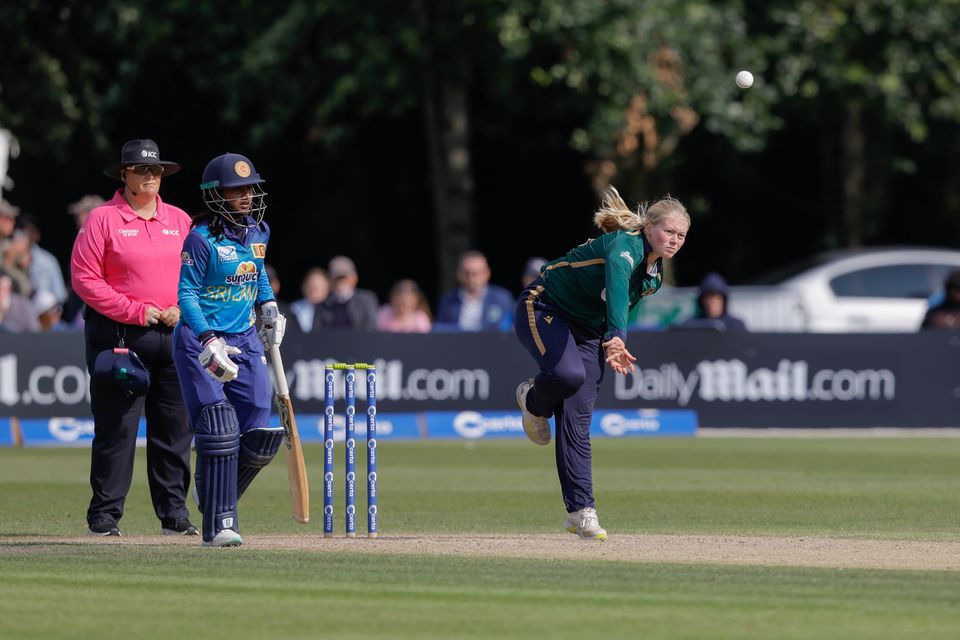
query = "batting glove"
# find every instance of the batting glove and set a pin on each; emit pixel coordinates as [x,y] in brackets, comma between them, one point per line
[215,359]
[274,324]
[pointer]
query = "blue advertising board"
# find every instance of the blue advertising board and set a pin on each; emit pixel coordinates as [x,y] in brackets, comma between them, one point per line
[475,425]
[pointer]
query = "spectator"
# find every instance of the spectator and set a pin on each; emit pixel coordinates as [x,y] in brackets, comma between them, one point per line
[274,279]
[476,305]
[82,207]
[16,312]
[44,269]
[531,271]
[14,250]
[315,288]
[125,266]
[945,315]
[347,307]
[712,311]
[73,307]
[49,312]
[407,311]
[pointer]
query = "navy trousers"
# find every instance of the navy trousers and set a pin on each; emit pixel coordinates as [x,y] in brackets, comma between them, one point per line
[570,359]
[116,418]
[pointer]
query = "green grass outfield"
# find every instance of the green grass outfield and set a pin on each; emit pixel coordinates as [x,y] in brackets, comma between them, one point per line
[899,489]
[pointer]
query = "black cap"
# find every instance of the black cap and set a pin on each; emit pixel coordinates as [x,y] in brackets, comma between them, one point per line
[140,152]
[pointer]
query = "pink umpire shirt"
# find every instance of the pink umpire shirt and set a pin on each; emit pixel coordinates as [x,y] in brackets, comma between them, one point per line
[121,263]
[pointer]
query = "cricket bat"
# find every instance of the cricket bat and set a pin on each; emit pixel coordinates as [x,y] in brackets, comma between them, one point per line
[296,469]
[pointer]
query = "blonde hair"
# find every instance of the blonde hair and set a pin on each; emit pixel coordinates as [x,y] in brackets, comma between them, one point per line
[615,215]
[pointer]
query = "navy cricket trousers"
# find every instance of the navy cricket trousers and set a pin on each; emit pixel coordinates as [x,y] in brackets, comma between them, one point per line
[570,358]
[117,417]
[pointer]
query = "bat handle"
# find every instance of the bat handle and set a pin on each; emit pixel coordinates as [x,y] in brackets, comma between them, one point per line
[277,362]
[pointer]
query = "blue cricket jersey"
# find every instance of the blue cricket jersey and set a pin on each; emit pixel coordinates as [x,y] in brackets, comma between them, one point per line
[222,278]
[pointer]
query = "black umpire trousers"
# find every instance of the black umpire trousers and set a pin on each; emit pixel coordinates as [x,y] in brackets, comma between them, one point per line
[117,417]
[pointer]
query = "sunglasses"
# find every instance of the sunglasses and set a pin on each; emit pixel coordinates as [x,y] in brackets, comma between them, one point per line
[155,170]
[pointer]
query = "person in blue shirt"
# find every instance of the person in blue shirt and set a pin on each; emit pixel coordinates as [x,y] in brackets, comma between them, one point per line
[476,305]
[218,351]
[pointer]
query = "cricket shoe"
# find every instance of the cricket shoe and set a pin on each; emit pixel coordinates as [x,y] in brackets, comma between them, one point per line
[104,528]
[536,428]
[179,527]
[585,524]
[225,538]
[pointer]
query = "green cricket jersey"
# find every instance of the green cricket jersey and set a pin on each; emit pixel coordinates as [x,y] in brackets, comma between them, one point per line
[597,283]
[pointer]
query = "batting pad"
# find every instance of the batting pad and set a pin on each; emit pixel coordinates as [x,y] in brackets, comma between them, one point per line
[217,437]
[257,448]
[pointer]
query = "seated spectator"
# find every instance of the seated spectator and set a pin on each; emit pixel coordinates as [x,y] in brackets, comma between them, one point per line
[315,288]
[531,271]
[44,269]
[283,307]
[476,305]
[79,210]
[49,312]
[712,311]
[16,312]
[945,315]
[14,250]
[347,307]
[82,208]
[407,311]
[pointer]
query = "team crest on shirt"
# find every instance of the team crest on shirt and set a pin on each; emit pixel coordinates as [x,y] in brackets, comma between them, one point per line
[186,260]
[626,256]
[246,272]
[259,250]
[227,254]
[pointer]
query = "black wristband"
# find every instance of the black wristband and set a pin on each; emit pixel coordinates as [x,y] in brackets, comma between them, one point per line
[205,335]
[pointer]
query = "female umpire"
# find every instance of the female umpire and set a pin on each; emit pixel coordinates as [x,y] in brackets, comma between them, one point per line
[125,264]
[573,318]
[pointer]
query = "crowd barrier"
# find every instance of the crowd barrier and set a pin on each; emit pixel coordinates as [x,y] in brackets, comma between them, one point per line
[451,384]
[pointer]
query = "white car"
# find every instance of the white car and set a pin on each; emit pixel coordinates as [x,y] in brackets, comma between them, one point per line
[858,290]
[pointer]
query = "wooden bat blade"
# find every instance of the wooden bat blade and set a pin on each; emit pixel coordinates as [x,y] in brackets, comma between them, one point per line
[296,468]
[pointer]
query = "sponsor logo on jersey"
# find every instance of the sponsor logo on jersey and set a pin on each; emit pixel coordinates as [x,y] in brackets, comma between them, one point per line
[259,250]
[626,256]
[548,319]
[246,272]
[129,233]
[185,259]
[227,254]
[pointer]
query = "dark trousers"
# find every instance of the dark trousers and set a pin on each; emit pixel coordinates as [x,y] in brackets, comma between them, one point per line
[570,358]
[116,418]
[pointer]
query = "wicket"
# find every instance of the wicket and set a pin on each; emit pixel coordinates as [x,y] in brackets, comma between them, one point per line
[350,373]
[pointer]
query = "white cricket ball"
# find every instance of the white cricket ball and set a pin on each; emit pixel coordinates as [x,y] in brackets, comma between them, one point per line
[744,79]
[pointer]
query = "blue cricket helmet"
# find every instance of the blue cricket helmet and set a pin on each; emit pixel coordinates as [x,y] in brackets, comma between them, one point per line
[230,170]
[227,171]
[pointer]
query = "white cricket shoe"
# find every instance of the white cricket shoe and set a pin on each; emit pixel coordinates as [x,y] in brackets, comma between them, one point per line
[585,524]
[536,428]
[225,538]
